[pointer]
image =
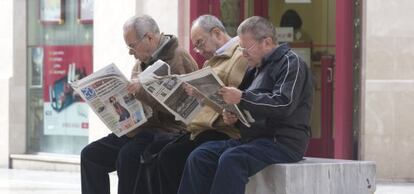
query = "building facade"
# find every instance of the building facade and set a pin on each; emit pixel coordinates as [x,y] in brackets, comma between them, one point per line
[360,58]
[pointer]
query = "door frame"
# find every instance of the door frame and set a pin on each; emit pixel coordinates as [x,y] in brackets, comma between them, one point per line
[343,92]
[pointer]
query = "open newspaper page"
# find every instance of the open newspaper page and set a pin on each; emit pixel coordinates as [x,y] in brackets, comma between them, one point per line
[169,91]
[208,84]
[106,93]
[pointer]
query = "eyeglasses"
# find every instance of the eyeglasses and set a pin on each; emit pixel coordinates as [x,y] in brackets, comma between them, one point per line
[199,45]
[133,45]
[246,50]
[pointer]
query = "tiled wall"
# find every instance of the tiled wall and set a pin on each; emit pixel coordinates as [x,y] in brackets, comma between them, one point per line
[388,128]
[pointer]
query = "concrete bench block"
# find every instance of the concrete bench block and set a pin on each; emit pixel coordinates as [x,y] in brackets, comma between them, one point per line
[315,176]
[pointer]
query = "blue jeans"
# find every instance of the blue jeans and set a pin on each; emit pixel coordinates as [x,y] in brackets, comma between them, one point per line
[223,167]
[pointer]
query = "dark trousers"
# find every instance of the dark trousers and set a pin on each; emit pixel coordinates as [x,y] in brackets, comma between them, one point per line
[111,153]
[147,179]
[166,170]
[223,167]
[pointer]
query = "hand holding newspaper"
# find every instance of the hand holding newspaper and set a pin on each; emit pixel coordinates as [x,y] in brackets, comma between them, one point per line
[169,90]
[105,92]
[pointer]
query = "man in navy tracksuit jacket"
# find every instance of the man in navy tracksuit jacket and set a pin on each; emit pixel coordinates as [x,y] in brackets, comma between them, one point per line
[277,94]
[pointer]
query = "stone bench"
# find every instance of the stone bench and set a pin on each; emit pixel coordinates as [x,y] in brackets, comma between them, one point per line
[315,176]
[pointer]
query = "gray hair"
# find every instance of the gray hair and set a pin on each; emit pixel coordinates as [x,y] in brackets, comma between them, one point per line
[142,25]
[208,22]
[259,27]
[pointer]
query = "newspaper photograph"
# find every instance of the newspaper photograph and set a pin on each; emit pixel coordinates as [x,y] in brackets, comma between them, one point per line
[169,91]
[208,84]
[105,91]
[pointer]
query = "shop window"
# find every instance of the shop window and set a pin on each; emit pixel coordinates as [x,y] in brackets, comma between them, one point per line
[60,39]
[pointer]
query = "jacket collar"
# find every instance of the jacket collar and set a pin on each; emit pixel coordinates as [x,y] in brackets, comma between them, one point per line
[228,48]
[231,48]
[163,41]
[275,55]
[165,50]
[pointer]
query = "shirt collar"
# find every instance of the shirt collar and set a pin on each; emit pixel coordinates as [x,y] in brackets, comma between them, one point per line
[228,44]
[275,55]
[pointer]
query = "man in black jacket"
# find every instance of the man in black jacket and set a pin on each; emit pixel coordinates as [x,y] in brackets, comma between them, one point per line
[276,94]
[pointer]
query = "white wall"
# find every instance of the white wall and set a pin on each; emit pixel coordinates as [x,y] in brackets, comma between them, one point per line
[165,12]
[6,54]
[12,79]
[6,34]
[170,18]
[18,83]
[109,46]
[388,129]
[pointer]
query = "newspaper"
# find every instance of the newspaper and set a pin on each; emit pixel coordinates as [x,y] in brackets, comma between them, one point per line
[106,93]
[169,91]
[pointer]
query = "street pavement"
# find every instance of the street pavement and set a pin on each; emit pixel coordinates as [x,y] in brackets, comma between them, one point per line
[14,181]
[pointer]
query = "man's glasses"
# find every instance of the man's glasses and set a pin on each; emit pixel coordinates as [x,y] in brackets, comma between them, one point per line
[201,43]
[199,46]
[246,50]
[133,45]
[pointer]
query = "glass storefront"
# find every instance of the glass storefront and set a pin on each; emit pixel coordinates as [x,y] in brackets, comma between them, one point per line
[314,39]
[309,27]
[230,15]
[60,39]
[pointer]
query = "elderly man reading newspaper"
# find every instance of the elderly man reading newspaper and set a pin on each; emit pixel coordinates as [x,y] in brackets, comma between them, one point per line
[277,91]
[225,59]
[146,44]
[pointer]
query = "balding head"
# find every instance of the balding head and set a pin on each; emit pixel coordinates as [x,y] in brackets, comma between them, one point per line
[142,36]
[207,35]
[207,23]
[142,25]
[259,27]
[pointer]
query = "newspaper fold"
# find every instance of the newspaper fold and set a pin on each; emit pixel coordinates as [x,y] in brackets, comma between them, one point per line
[106,93]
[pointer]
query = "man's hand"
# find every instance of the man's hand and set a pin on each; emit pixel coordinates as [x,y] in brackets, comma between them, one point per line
[191,91]
[229,118]
[134,86]
[231,95]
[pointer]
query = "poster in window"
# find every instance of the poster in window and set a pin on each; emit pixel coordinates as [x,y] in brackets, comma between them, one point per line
[65,113]
[37,66]
[52,11]
[85,11]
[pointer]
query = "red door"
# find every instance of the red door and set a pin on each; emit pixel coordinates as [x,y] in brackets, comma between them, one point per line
[322,146]
[235,8]
[335,76]
[198,8]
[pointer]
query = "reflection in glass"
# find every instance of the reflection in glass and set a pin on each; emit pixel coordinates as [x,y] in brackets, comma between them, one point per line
[230,15]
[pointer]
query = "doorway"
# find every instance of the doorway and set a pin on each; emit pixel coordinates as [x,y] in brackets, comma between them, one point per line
[314,37]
